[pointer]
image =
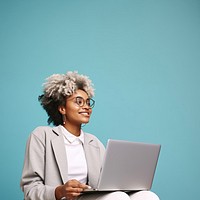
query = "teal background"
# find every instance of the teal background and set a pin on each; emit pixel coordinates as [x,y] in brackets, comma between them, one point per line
[144,59]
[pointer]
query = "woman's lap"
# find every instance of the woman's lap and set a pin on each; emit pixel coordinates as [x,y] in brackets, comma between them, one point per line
[142,195]
[105,196]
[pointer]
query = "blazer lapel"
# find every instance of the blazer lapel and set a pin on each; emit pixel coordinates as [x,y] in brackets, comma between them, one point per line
[60,154]
[93,161]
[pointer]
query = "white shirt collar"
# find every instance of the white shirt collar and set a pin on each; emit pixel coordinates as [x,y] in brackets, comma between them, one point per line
[72,138]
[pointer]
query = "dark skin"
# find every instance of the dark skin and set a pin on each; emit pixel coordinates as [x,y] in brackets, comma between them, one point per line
[70,190]
[75,116]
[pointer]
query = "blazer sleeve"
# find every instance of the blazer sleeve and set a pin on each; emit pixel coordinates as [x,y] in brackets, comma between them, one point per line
[32,181]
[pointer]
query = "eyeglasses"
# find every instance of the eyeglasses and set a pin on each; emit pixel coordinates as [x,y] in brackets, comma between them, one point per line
[81,102]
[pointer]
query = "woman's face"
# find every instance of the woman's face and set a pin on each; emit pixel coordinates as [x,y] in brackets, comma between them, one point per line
[77,109]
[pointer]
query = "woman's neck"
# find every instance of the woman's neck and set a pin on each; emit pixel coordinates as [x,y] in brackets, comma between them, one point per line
[75,130]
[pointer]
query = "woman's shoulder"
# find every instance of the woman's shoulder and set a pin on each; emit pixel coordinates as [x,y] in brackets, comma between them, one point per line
[92,139]
[44,132]
[91,136]
[42,129]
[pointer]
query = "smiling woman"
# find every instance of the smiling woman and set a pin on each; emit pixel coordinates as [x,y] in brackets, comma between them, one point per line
[61,161]
[76,111]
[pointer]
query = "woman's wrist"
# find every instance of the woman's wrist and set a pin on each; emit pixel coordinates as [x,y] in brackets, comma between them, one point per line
[58,193]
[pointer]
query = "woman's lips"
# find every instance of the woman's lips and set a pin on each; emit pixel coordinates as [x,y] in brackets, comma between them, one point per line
[85,113]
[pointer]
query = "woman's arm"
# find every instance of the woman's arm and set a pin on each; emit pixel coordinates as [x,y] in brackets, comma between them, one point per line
[32,181]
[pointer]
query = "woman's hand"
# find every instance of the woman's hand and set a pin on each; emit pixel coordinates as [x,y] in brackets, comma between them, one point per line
[70,190]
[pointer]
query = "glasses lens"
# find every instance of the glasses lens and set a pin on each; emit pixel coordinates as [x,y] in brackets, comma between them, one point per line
[80,101]
[91,103]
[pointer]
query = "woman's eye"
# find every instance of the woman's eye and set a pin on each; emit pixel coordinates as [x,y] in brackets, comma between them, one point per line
[79,102]
[88,102]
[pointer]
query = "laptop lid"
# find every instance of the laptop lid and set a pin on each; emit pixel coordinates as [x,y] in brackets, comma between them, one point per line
[128,166]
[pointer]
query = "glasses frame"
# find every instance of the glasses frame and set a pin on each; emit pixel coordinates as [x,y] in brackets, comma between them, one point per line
[90,105]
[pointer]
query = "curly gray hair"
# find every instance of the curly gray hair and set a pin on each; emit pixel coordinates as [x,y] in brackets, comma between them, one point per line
[67,84]
[58,87]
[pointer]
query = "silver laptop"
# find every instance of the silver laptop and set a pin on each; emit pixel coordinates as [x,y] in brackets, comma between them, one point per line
[128,166]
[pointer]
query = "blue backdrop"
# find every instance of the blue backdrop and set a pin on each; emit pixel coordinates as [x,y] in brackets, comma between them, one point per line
[144,59]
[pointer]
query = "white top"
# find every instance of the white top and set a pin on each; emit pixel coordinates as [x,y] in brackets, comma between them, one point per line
[77,165]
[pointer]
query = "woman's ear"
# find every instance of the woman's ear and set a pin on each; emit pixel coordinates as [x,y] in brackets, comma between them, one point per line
[62,110]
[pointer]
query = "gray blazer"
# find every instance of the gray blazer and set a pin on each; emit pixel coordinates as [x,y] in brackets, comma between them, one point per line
[45,164]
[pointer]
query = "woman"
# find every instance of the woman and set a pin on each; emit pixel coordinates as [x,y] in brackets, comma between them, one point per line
[61,161]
